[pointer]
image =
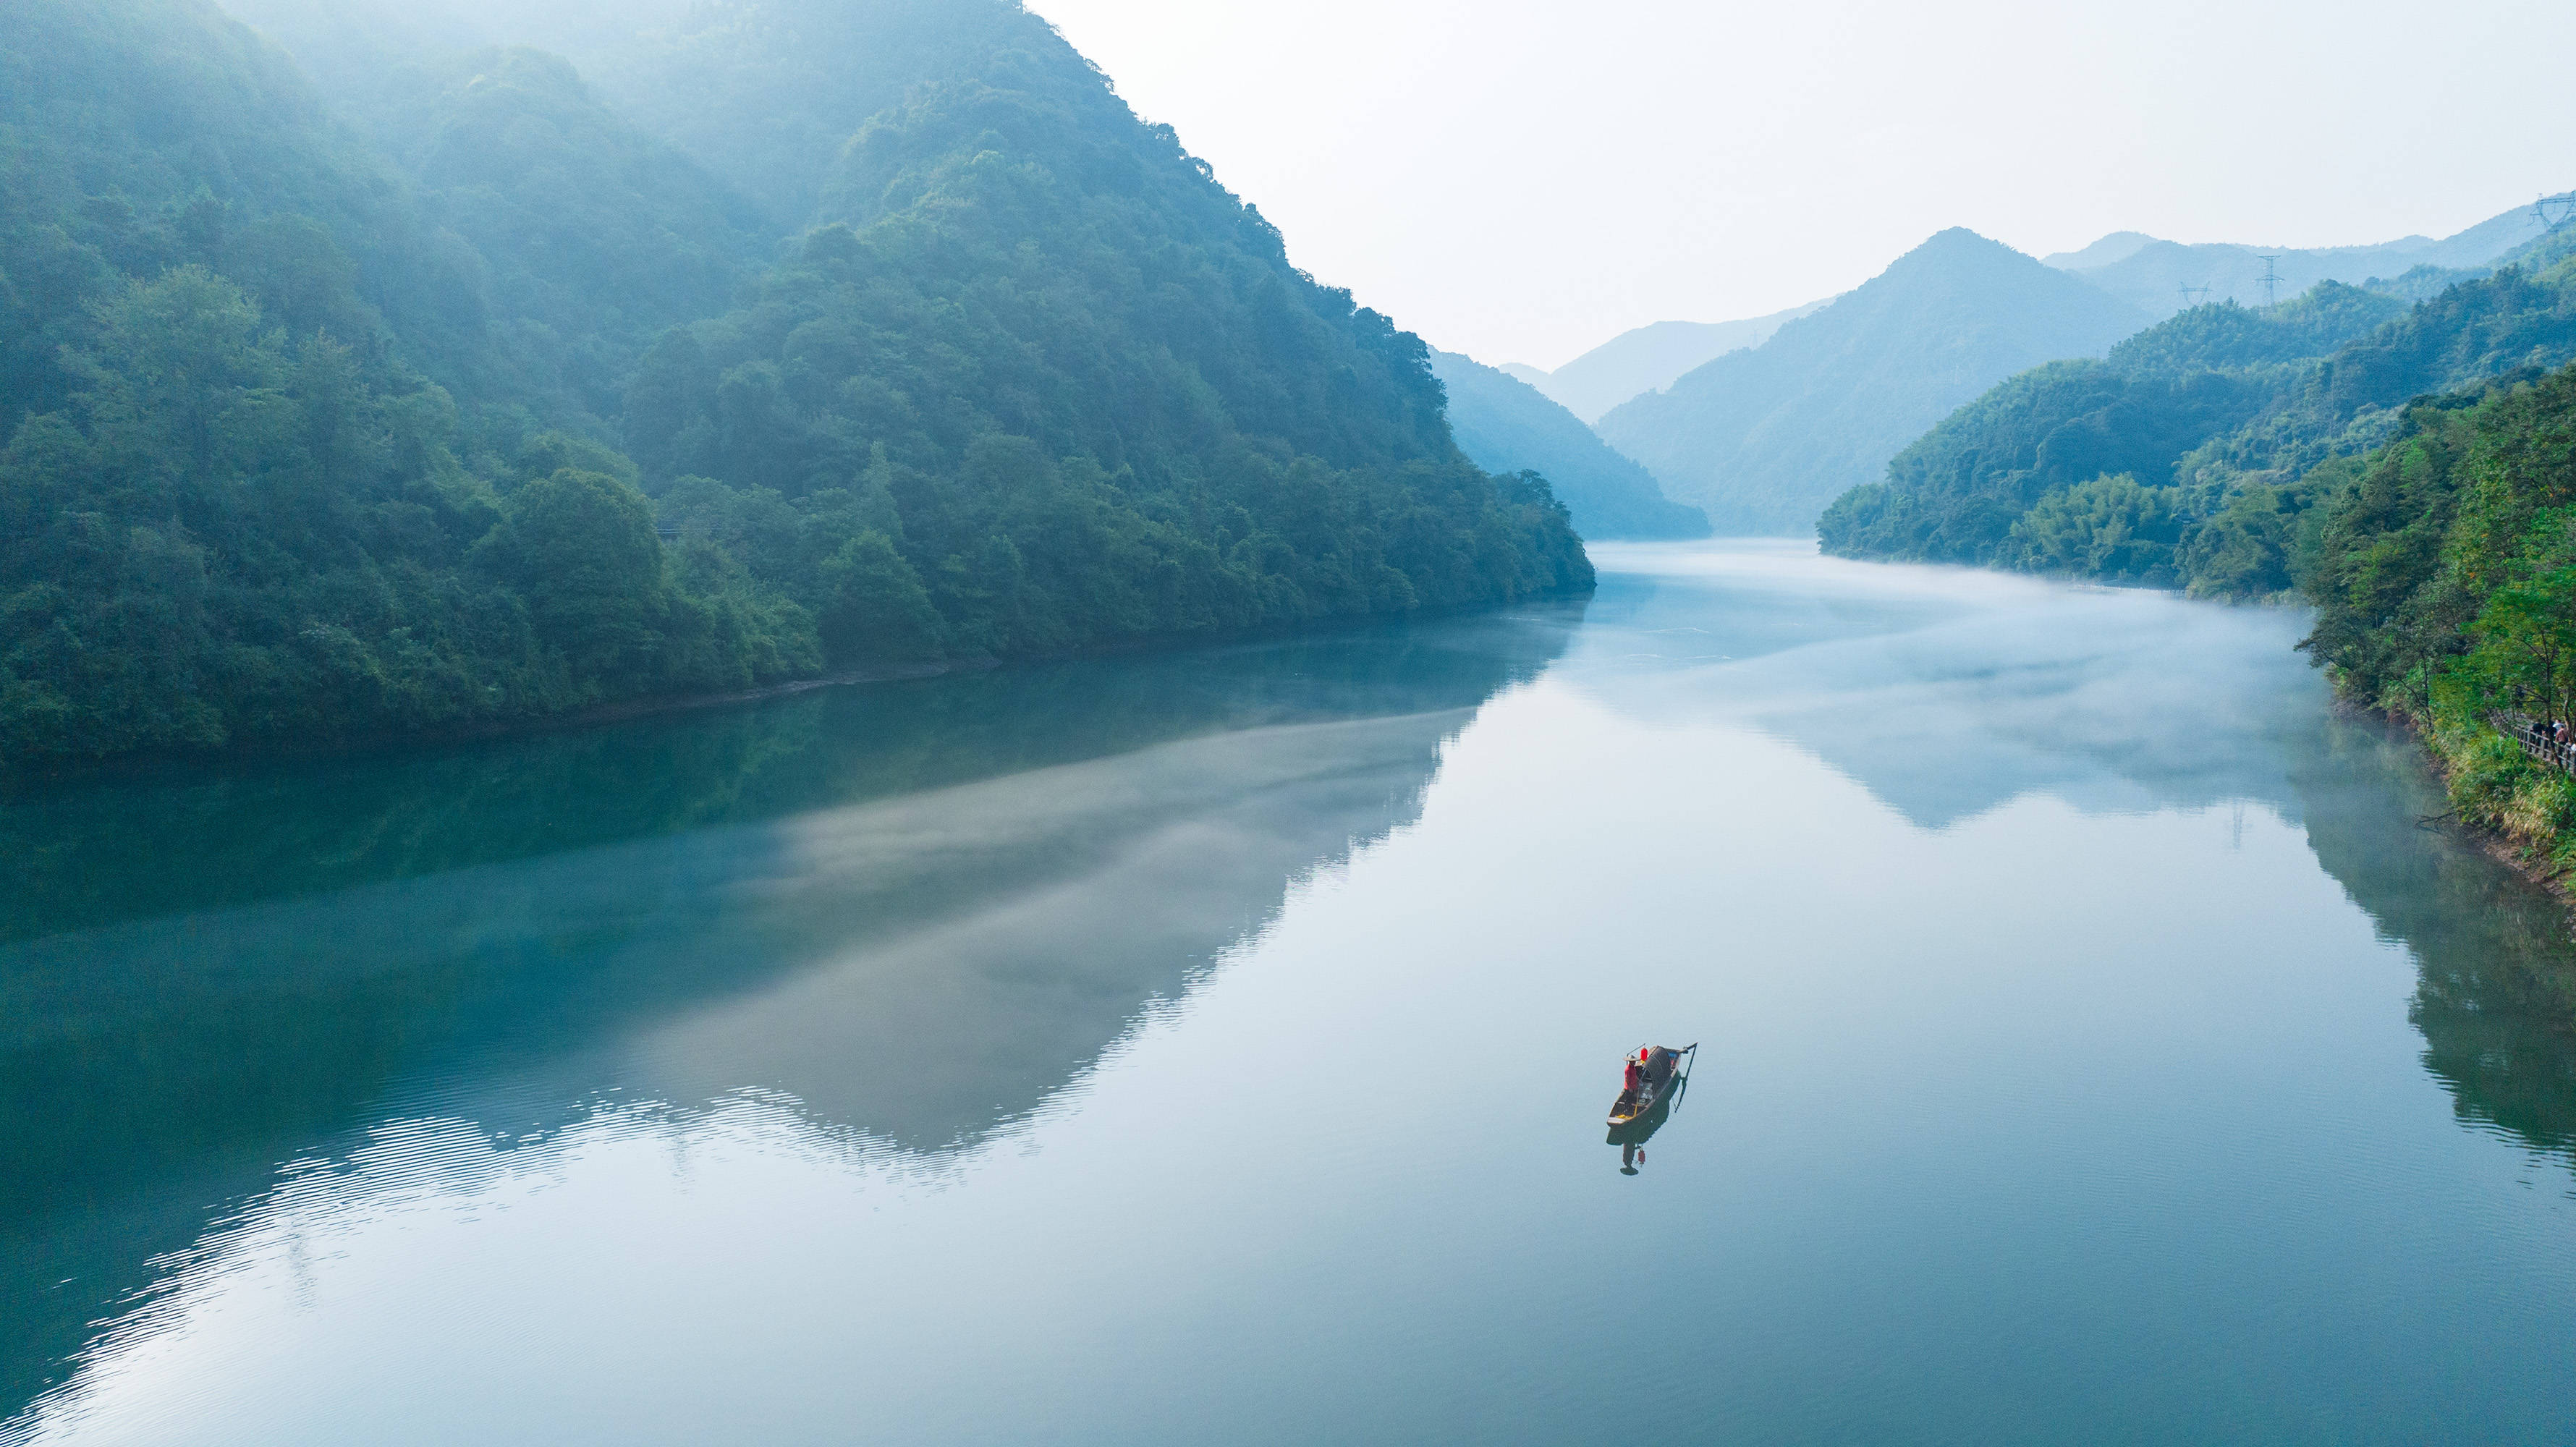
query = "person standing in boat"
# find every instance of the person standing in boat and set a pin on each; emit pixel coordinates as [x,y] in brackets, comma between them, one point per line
[1636,1074]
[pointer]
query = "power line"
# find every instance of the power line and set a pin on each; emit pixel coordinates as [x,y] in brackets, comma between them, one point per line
[2270,280]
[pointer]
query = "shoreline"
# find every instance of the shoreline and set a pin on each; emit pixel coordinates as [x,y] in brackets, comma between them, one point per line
[16,786]
[2520,855]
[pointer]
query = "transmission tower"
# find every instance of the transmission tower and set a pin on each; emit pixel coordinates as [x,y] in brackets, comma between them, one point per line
[2270,280]
[2553,212]
[2192,296]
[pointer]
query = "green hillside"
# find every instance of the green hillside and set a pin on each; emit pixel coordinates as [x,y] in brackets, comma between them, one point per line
[2186,457]
[332,427]
[1763,439]
[593,235]
[2444,576]
[1507,425]
[1956,493]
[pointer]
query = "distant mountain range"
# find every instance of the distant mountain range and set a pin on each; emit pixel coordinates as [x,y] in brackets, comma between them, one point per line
[1764,438]
[1646,359]
[1505,425]
[2151,274]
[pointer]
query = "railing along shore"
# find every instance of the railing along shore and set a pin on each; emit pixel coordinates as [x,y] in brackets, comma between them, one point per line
[2536,741]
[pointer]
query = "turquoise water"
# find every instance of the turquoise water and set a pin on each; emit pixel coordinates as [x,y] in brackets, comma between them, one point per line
[2096,1047]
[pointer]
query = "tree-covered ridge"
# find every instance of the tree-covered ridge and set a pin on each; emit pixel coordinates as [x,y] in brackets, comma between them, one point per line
[2444,576]
[1057,387]
[233,534]
[593,237]
[763,93]
[309,440]
[144,135]
[2187,456]
[1957,492]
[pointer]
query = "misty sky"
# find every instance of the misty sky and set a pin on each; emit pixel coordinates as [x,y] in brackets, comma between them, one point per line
[1521,180]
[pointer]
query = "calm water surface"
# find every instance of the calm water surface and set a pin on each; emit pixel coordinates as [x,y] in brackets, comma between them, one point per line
[1214,1047]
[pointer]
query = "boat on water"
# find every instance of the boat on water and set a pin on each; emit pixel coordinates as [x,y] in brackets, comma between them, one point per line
[1665,1074]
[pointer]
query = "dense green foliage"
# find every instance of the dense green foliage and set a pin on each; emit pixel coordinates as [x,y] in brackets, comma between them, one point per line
[1068,402]
[309,440]
[1506,425]
[231,533]
[2225,415]
[1958,493]
[139,137]
[592,236]
[1763,439]
[2444,576]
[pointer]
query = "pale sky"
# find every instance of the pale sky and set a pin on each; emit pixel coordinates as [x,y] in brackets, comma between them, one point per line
[1522,180]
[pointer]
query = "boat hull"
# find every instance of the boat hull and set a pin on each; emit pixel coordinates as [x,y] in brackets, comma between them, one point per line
[1657,1089]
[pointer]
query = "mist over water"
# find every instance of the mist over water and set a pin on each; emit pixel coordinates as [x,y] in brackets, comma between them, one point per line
[2094,1048]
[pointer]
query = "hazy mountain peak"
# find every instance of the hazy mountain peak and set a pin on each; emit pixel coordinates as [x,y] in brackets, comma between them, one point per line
[1505,425]
[2116,247]
[1763,439]
[1954,253]
[1646,359]
[2163,277]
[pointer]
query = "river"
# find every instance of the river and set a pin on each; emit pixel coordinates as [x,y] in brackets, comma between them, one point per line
[2097,1045]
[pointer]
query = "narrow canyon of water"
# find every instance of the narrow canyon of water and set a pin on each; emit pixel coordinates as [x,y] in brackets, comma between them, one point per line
[2099,1043]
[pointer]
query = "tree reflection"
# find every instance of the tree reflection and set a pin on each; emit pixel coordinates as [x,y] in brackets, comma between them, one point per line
[913,911]
[2496,991]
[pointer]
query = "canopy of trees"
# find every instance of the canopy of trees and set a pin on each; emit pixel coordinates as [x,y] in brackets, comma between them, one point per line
[2215,421]
[2444,575]
[481,404]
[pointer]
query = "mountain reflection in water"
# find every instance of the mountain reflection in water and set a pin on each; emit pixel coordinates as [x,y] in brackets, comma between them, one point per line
[1949,699]
[1157,1049]
[906,911]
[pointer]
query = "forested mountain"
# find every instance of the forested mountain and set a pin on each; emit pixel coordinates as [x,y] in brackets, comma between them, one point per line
[2117,246]
[2194,455]
[593,235]
[2151,274]
[320,426]
[1957,492]
[763,92]
[1647,359]
[1764,439]
[1505,425]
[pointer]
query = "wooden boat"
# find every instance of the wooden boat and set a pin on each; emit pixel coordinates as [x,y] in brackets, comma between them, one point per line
[1667,1072]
